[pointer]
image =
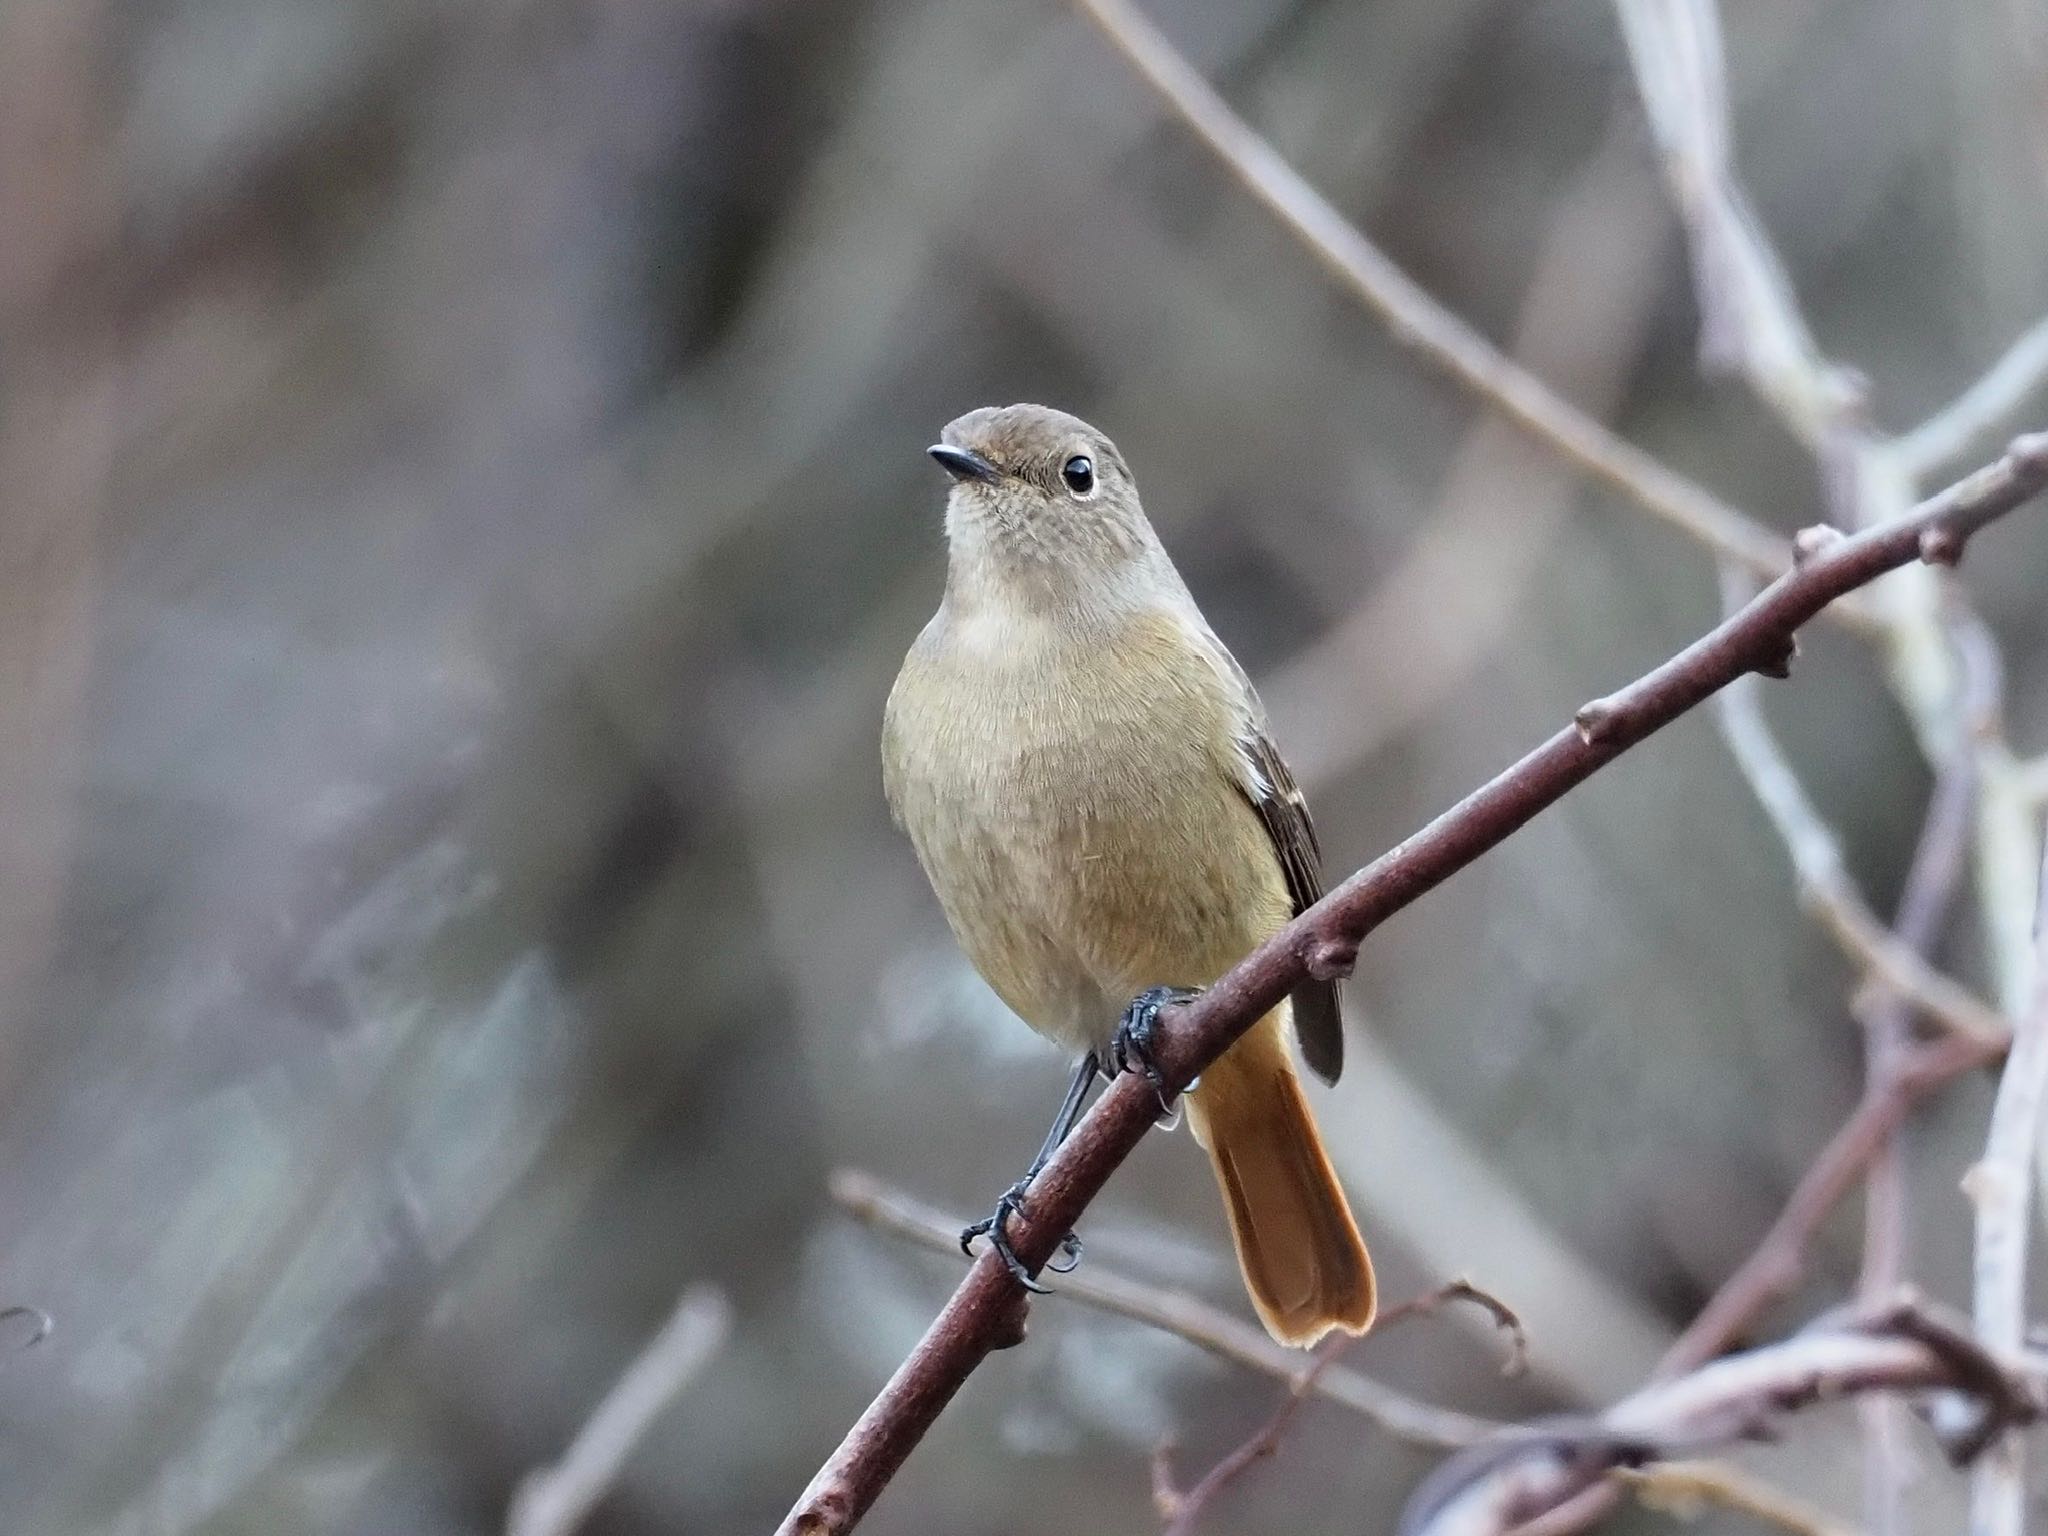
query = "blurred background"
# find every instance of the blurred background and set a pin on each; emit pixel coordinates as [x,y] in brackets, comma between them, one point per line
[462,504]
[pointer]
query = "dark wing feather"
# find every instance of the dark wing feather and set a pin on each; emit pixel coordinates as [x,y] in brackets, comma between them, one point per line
[1318,1024]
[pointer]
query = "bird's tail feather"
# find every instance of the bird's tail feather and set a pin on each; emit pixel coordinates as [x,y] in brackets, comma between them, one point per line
[1303,1261]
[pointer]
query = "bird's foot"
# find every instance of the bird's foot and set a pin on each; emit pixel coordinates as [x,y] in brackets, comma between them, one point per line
[1133,1048]
[995,1227]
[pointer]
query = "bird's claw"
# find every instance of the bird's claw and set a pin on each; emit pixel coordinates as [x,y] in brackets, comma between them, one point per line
[1132,1047]
[995,1226]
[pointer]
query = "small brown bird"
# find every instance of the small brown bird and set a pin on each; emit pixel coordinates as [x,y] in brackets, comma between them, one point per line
[1088,780]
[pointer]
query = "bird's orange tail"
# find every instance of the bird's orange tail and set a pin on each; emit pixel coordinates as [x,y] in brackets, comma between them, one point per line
[1303,1261]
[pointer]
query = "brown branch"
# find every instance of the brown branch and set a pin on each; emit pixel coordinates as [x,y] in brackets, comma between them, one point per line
[987,1311]
[1416,320]
[1504,1317]
[1512,1483]
[1775,1266]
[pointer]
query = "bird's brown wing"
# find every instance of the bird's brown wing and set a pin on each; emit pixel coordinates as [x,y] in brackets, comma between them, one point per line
[1318,1024]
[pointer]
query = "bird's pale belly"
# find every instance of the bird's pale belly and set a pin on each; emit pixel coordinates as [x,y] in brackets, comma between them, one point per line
[1069,900]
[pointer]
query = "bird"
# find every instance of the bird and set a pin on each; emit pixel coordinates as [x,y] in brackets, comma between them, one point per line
[1090,783]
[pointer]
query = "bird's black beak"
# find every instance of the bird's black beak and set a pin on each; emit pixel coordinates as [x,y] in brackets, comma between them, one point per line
[964,463]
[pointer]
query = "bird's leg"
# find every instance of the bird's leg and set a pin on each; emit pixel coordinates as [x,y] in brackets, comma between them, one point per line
[1131,1048]
[1011,1201]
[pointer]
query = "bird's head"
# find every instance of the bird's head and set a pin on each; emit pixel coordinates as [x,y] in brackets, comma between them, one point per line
[1041,503]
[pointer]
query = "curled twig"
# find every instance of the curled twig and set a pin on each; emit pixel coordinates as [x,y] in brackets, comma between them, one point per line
[1505,1319]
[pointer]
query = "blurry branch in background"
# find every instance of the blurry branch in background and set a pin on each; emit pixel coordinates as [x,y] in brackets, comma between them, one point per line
[554,1500]
[1232,1339]
[1750,323]
[1508,1484]
[60,378]
[1939,860]
[1825,886]
[1418,322]
[1456,594]
[1973,415]
[1683,1489]
[1945,671]
[1774,1268]
[987,1311]
[2001,1187]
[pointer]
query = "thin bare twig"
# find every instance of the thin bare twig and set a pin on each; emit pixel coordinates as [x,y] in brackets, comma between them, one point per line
[1751,321]
[1418,321]
[1496,1487]
[2001,1186]
[1770,1272]
[1749,318]
[1939,858]
[1826,888]
[1188,1317]
[1974,414]
[987,1311]
[1182,1512]
[553,1500]
[1505,1319]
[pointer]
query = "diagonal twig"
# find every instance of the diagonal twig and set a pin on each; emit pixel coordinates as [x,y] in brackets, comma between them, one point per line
[553,1500]
[1751,322]
[1182,1511]
[1975,413]
[1826,888]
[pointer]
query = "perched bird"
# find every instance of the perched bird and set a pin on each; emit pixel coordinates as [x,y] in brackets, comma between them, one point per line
[1090,785]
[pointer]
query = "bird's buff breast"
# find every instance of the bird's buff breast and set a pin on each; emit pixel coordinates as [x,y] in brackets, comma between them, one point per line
[1071,802]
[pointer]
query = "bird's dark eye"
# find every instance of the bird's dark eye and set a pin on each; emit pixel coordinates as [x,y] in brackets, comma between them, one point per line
[1079,473]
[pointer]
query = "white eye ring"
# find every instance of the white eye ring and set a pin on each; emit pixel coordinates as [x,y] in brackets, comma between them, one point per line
[1079,474]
